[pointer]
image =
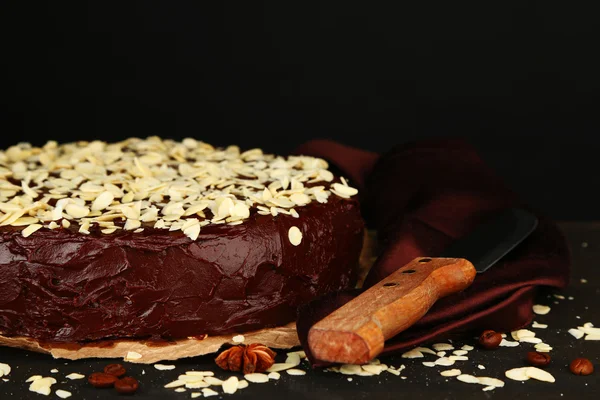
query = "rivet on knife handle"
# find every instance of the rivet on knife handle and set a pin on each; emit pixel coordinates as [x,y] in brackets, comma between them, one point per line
[355,332]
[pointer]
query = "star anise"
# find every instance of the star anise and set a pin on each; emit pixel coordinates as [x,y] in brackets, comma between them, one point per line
[255,357]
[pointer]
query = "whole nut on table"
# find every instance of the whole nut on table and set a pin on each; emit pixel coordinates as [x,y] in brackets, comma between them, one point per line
[581,366]
[490,339]
[538,359]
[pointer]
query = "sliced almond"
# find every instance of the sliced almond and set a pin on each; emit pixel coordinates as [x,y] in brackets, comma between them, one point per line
[295,371]
[414,353]
[467,378]
[541,309]
[451,372]
[256,377]
[517,374]
[230,385]
[442,347]
[539,374]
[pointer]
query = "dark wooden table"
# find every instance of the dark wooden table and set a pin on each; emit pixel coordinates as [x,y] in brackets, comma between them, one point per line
[421,383]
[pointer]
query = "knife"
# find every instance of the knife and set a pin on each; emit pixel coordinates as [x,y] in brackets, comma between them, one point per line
[355,333]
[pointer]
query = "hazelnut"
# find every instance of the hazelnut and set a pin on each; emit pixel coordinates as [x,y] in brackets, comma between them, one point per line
[490,339]
[538,359]
[581,366]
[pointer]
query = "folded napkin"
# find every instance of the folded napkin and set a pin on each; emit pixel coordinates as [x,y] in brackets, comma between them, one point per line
[422,196]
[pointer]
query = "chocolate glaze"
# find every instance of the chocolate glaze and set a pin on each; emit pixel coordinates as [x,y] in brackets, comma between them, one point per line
[60,285]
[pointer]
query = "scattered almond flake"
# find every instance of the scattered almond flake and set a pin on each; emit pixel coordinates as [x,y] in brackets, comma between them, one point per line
[444,361]
[441,353]
[374,369]
[163,367]
[295,236]
[541,309]
[583,280]
[242,384]
[200,373]
[63,394]
[589,330]
[274,375]
[195,395]
[539,374]
[393,371]
[302,354]
[488,388]
[54,371]
[458,358]
[350,369]
[33,378]
[238,339]
[592,337]
[503,335]
[571,298]
[460,352]
[487,381]
[588,325]
[293,358]
[190,378]
[442,347]
[133,355]
[31,229]
[207,392]
[522,333]
[211,380]
[230,385]
[65,223]
[278,367]
[543,348]
[576,333]
[429,363]
[174,384]
[295,371]
[517,374]
[467,348]
[466,378]
[75,376]
[508,343]
[425,350]
[480,366]
[530,340]
[256,377]
[537,325]
[199,384]
[4,369]
[559,296]
[42,385]
[349,379]
[414,353]
[180,390]
[451,372]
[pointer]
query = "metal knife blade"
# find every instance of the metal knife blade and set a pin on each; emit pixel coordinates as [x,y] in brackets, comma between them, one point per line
[493,239]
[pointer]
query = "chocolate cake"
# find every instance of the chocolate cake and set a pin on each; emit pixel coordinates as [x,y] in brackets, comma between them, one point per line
[157,239]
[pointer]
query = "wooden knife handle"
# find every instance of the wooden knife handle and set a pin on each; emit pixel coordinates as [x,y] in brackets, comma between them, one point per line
[355,332]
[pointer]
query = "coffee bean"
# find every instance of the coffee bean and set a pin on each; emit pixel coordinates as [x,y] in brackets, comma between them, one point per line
[102,380]
[127,385]
[115,369]
[581,366]
[490,339]
[538,359]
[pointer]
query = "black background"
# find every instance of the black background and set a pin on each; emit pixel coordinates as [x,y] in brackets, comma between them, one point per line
[519,79]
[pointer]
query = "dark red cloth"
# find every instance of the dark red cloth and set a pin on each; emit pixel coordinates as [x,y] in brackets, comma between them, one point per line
[422,196]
